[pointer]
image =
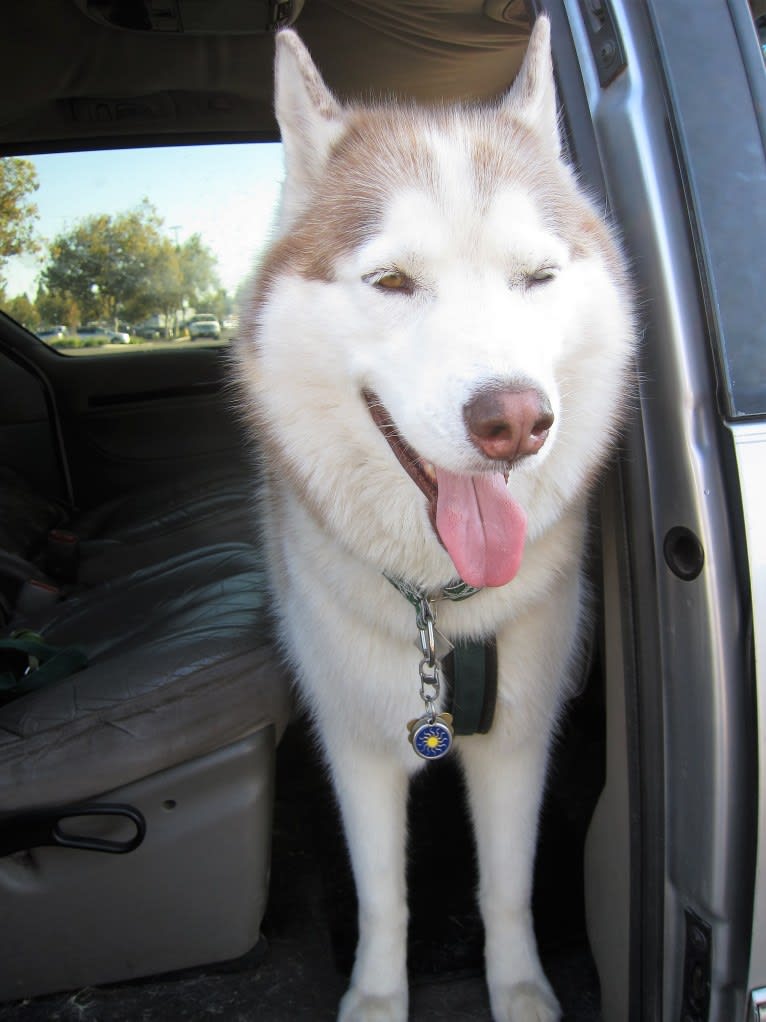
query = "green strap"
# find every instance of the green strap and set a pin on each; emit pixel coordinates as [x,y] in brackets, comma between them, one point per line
[471,674]
[28,663]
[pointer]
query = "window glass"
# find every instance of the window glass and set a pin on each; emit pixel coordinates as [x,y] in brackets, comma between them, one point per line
[718,113]
[758,11]
[136,249]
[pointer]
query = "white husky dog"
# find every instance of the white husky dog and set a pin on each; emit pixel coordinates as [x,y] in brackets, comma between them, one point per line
[433,364]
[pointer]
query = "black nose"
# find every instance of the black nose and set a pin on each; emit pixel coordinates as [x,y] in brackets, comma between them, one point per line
[508,423]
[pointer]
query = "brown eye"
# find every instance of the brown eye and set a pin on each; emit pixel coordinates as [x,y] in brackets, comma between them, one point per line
[392,281]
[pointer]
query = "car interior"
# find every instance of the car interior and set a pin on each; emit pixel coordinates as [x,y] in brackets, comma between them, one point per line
[169,843]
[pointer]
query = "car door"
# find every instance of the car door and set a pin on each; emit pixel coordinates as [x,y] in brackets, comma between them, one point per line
[664,107]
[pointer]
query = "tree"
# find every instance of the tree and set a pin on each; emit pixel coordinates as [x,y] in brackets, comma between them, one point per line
[163,288]
[105,263]
[197,264]
[122,267]
[18,180]
[60,307]
[217,302]
[23,311]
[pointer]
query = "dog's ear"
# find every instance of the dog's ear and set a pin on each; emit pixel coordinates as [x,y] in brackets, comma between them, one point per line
[532,97]
[310,120]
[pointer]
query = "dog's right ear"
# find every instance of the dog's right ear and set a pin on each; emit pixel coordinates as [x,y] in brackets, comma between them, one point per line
[310,120]
[533,94]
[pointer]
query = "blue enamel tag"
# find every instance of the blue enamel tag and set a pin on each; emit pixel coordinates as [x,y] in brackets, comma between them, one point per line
[431,737]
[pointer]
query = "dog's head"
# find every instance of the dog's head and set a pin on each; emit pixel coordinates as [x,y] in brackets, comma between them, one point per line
[442,312]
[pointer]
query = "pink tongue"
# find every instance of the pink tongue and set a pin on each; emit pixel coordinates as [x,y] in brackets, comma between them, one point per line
[481,526]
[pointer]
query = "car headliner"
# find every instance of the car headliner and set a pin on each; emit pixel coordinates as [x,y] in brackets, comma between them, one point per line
[70,81]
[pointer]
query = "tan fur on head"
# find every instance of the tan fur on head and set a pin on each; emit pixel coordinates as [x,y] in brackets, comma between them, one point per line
[343,163]
[313,122]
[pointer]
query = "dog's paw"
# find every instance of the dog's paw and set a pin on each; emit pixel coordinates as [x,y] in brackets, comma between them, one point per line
[357,1006]
[524,1002]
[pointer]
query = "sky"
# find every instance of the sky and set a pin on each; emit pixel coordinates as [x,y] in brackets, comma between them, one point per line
[226,193]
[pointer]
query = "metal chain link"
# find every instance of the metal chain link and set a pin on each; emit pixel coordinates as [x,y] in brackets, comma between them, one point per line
[429,665]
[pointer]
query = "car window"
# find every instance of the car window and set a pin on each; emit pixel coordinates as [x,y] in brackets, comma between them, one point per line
[717,113]
[758,12]
[135,249]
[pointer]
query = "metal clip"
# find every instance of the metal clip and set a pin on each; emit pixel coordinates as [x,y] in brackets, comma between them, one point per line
[425,618]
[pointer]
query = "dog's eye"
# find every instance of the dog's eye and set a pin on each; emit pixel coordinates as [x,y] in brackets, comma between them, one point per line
[542,275]
[390,280]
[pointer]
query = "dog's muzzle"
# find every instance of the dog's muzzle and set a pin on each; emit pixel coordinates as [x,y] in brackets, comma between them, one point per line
[474,516]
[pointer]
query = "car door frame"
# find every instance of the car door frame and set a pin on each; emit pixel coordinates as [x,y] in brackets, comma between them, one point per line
[673,933]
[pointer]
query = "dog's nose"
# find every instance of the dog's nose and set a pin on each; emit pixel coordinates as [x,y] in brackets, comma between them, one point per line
[507,423]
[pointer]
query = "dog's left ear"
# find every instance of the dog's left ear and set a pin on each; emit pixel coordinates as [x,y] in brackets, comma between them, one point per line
[310,120]
[532,97]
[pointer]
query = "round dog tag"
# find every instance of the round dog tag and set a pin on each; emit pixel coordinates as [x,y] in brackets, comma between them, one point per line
[431,739]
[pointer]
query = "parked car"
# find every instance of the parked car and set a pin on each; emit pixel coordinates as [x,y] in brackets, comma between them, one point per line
[97,332]
[176,744]
[151,331]
[52,333]
[204,325]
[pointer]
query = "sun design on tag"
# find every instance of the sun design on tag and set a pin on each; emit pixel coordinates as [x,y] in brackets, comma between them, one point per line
[432,740]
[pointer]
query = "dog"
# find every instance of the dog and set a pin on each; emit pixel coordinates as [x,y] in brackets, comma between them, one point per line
[434,362]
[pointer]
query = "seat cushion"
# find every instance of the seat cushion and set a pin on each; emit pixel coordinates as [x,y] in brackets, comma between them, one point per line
[144,526]
[131,530]
[135,515]
[181,662]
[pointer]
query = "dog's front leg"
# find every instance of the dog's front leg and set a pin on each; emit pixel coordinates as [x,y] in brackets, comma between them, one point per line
[372,792]
[505,788]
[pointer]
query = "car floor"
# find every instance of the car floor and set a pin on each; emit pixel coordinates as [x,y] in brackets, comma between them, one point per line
[299,969]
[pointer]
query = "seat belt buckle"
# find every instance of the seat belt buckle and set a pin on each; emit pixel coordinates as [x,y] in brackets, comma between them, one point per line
[35,596]
[62,555]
